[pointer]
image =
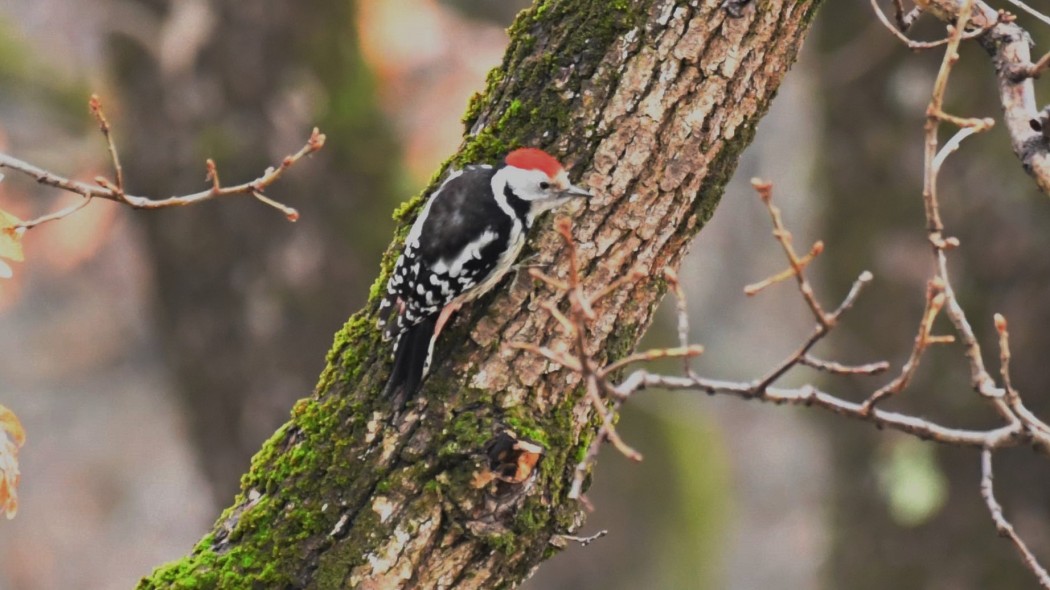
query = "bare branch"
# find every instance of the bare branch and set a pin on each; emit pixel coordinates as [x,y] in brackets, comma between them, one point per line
[1019,426]
[1029,421]
[1031,11]
[560,540]
[114,191]
[1009,47]
[65,211]
[841,369]
[560,357]
[683,316]
[1002,525]
[905,21]
[95,105]
[810,396]
[935,299]
[685,352]
[765,192]
[754,288]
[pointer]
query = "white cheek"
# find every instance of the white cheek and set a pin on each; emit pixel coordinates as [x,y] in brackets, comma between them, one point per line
[529,193]
[552,203]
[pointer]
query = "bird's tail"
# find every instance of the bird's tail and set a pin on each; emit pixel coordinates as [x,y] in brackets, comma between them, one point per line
[411,359]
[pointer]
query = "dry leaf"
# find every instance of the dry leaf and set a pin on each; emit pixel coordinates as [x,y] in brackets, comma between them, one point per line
[10,242]
[12,426]
[511,460]
[12,438]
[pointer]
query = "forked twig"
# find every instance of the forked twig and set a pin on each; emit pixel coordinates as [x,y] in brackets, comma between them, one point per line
[114,190]
[1019,426]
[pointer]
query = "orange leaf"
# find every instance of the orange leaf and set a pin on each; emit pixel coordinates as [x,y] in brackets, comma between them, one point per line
[10,238]
[14,437]
[12,426]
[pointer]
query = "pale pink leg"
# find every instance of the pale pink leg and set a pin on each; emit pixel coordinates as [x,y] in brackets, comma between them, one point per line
[446,313]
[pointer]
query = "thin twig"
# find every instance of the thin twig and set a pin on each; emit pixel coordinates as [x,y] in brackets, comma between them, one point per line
[1031,11]
[114,191]
[1020,426]
[821,330]
[1040,66]
[935,300]
[95,106]
[560,357]
[956,140]
[765,192]
[911,43]
[549,280]
[684,352]
[682,316]
[1029,421]
[755,288]
[1002,525]
[809,396]
[841,369]
[583,541]
[63,212]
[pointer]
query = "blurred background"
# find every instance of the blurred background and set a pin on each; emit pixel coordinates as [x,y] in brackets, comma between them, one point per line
[149,354]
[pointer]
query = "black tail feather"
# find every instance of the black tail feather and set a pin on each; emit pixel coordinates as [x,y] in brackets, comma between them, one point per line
[411,360]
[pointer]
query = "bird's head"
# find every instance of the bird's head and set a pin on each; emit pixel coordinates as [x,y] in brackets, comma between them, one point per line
[535,176]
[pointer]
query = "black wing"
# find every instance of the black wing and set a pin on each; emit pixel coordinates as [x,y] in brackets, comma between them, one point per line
[461,211]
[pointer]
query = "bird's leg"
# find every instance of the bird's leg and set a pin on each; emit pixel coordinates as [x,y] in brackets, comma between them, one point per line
[446,313]
[525,264]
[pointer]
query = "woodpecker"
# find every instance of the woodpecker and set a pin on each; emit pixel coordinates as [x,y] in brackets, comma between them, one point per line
[467,237]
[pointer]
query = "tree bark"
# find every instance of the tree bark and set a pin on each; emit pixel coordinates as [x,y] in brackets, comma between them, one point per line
[651,103]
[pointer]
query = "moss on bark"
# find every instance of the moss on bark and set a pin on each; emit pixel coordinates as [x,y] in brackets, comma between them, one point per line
[651,101]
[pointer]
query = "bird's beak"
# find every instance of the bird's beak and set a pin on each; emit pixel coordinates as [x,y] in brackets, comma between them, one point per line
[575,191]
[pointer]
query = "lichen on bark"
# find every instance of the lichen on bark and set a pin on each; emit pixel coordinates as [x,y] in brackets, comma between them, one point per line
[650,102]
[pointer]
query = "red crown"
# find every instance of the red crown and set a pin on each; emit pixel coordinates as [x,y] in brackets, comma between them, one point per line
[534,159]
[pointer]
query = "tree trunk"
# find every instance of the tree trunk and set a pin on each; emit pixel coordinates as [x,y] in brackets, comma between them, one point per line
[651,102]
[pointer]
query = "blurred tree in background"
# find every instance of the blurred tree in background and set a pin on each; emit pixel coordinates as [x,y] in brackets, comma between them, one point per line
[246,303]
[907,515]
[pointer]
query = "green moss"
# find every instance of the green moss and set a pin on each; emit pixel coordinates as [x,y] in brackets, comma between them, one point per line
[284,472]
[622,341]
[525,426]
[320,445]
[539,86]
[350,347]
[478,101]
[531,518]
[586,438]
[505,543]
[407,210]
[467,433]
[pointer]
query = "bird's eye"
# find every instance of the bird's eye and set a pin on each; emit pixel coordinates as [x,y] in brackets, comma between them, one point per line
[545,185]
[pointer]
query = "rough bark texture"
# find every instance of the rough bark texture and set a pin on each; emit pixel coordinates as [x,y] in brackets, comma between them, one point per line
[651,102]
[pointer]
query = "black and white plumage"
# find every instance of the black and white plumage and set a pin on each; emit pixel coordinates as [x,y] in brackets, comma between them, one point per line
[464,241]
